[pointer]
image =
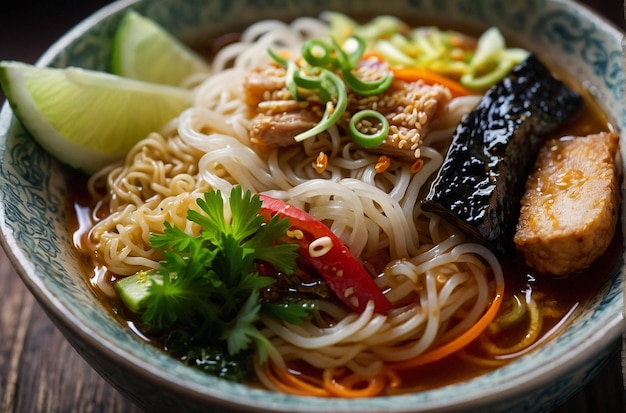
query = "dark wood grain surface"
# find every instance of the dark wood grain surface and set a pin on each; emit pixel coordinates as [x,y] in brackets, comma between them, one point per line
[39,370]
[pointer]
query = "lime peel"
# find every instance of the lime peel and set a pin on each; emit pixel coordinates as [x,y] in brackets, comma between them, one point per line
[144,50]
[88,119]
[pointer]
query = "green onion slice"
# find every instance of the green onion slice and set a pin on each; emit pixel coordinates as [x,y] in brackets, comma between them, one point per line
[310,78]
[320,77]
[354,56]
[368,140]
[277,58]
[291,70]
[347,60]
[316,79]
[333,85]
[367,88]
[311,53]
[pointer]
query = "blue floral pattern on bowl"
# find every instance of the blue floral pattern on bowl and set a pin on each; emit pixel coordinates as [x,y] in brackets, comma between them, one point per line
[34,215]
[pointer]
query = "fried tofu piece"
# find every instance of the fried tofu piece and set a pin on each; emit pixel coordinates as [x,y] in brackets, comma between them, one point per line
[570,207]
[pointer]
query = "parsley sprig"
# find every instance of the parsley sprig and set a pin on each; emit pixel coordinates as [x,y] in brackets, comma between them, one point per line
[209,284]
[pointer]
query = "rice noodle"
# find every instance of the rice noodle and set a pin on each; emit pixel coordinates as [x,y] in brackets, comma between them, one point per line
[439,285]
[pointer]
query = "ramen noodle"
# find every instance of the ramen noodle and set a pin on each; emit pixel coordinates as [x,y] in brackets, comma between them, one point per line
[445,289]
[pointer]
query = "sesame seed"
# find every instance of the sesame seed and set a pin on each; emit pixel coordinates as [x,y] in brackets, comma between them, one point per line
[354,301]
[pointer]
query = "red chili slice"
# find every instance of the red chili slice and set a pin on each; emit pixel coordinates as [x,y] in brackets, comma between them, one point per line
[340,269]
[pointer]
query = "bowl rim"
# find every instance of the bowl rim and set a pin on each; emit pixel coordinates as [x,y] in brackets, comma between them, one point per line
[64,318]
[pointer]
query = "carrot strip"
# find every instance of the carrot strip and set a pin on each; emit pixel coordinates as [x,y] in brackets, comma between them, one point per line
[329,385]
[344,387]
[415,73]
[459,342]
[412,74]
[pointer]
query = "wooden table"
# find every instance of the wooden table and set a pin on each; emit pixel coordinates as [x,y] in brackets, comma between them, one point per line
[39,370]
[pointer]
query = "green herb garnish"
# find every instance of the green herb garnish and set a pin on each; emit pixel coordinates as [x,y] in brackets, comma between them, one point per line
[328,72]
[368,140]
[208,285]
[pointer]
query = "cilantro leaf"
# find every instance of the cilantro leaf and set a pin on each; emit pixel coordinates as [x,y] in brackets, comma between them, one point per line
[172,238]
[279,255]
[246,219]
[208,286]
[240,331]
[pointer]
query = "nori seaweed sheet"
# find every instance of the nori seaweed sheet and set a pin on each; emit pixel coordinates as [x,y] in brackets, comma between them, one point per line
[482,179]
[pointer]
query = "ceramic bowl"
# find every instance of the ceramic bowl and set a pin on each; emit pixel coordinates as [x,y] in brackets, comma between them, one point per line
[34,215]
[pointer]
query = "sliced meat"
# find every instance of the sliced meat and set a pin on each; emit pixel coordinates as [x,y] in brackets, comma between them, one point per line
[266,83]
[570,207]
[408,106]
[278,130]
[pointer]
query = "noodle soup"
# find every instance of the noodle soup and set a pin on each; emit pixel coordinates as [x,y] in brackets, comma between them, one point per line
[457,309]
[579,46]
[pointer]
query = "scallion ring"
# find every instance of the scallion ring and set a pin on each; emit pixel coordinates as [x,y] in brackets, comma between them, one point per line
[317,82]
[368,140]
[325,59]
[310,78]
[341,60]
[334,110]
[367,88]
[356,54]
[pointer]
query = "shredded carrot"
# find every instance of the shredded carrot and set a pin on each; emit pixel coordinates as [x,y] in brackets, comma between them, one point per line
[350,385]
[347,386]
[412,74]
[459,342]
[288,382]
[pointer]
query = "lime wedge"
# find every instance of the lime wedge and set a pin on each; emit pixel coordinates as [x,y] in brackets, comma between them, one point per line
[87,119]
[145,51]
